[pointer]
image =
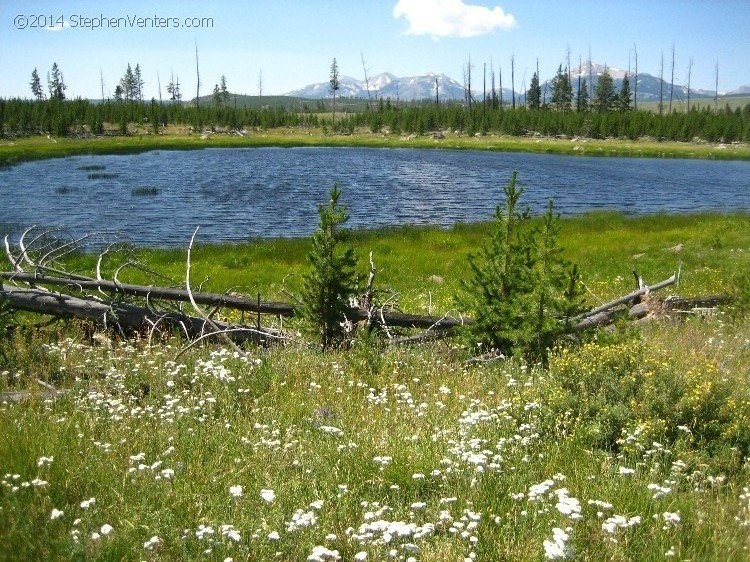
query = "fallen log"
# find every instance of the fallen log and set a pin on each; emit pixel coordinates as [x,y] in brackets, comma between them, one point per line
[390,318]
[627,298]
[709,301]
[125,317]
[152,292]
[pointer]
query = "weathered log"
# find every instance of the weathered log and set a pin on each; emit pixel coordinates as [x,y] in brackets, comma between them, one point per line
[124,316]
[627,298]
[396,319]
[680,303]
[152,292]
[600,319]
[639,310]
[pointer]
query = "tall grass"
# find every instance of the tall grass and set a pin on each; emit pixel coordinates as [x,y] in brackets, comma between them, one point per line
[414,453]
[631,446]
[420,267]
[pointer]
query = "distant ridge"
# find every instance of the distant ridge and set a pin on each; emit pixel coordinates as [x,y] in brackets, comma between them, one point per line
[389,86]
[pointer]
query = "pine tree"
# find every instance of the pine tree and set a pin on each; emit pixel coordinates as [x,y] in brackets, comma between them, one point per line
[56,83]
[624,98]
[582,100]
[500,275]
[36,86]
[173,88]
[216,96]
[556,291]
[138,84]
[332,279]
[605,92]
[534,95]
[520,287]
[334,85]
[127,82]
[562,91]
[223,89]
[118,94]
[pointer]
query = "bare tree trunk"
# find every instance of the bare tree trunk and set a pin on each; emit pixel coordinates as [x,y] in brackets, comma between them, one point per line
[260,89]
[635,95]
[513,78]
[500,85]
[671,83]
[716,90]
[198,76]
[661,84]
[367,80]
[484,87]
[690,73]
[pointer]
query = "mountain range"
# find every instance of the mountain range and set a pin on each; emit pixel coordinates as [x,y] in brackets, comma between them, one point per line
[387,85]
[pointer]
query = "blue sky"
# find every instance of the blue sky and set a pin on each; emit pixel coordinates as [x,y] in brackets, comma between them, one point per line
[292,43]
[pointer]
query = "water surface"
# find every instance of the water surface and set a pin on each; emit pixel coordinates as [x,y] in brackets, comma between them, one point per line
[158,198]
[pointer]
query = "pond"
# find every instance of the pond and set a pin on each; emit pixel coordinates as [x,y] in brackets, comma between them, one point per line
[158,198]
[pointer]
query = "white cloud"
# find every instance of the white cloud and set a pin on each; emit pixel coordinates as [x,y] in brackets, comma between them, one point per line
[451,18]
[58,27]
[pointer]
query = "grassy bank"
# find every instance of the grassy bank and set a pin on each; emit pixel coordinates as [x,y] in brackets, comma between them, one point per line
[295,454]
[626,450]
[631,446]
[38,147]
[423,266]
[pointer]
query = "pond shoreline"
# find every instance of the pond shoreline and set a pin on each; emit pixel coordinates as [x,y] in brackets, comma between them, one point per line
[40,147]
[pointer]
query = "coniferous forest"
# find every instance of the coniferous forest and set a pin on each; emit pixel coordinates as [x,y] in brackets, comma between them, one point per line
[603,113]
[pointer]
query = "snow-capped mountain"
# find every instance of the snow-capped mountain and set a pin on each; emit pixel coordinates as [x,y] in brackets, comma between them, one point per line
[649,87]
[386,85]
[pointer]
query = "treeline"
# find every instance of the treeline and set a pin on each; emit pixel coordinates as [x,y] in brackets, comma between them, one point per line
[724,126]
[20,117]
[61,117]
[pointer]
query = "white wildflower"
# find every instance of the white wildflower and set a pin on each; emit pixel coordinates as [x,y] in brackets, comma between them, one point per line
[44,461]
[235,491]
[151,543]
[557,548]
[267,495]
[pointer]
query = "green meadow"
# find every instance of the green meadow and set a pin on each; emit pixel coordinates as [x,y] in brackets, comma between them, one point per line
[632,444]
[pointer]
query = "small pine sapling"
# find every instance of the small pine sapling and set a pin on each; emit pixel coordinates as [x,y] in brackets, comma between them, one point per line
[332,279]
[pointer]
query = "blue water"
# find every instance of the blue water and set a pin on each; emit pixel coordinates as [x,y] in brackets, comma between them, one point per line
[235,194]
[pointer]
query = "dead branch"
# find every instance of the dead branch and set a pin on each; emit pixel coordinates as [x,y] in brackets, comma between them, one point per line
[117,315]
[627,298]
[217,330]
[11,257]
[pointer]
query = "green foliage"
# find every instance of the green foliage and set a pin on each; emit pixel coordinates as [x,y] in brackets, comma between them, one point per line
[582,98]
[562,90]
[520,289]
[56,84]
[616,392]
[605,93]
[624,99]
[332,280]
[534,95]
